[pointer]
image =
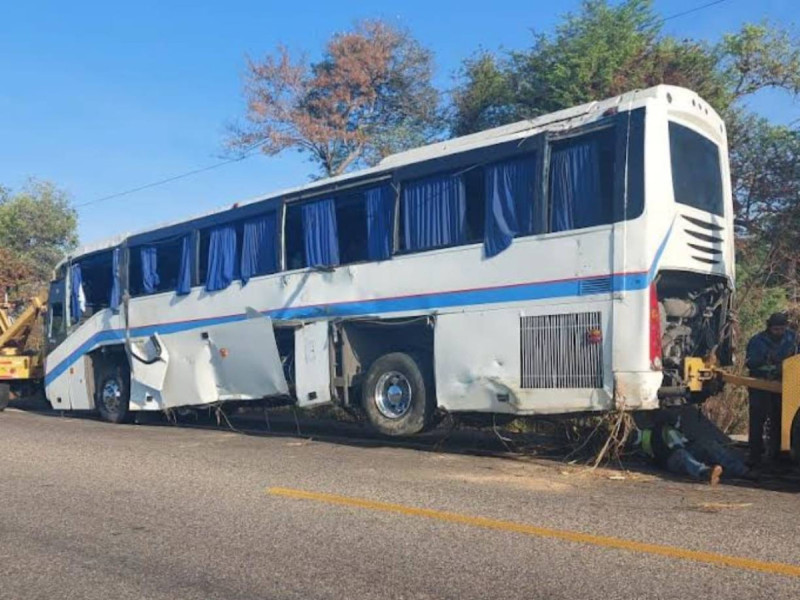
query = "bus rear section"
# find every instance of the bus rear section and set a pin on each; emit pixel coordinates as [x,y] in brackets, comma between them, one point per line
[691,296]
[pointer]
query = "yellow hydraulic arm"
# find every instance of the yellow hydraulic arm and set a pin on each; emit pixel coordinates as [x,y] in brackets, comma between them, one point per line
[697,371]
[14,365]
[20,328]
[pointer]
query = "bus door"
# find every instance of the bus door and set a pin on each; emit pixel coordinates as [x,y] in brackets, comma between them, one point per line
[56,321]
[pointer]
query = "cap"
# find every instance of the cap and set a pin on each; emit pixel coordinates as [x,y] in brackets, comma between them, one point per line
[777,320]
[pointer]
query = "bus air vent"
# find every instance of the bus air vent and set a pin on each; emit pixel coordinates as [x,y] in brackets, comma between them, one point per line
[705,249]
[704,224]
[596,285]
[708,261]
[559,351]
[711,239]
[704,243]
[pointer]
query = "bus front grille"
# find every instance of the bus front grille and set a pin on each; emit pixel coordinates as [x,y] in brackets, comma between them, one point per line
[561,351]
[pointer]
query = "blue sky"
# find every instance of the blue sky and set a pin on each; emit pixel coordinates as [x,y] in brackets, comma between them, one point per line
[101,97]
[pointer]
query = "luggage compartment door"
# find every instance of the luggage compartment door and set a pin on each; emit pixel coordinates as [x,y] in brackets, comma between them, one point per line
[312,364]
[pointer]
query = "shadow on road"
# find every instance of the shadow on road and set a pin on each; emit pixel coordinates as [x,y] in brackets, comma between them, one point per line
[548,444]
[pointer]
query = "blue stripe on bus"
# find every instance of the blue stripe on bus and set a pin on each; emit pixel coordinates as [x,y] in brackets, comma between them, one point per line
[514,293]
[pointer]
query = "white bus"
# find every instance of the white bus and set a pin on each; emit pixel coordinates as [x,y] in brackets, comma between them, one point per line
[565,264]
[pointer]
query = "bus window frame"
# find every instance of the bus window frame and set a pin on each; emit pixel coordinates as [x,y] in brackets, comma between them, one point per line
[718,146]
[533,145]
[625,140]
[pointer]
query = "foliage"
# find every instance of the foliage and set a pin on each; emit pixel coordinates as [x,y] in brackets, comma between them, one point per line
[37,227]
[602,51]
[369,96]
[605,50]
[759,57]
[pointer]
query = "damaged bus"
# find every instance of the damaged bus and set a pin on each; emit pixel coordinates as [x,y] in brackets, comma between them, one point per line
[569,263]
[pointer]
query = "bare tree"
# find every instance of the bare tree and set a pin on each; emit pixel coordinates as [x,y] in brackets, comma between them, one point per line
[369,96]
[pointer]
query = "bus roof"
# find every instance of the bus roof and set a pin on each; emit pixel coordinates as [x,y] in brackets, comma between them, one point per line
[562,119]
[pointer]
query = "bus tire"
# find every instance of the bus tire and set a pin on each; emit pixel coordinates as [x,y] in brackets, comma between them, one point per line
[5,395]
[113,393]
[398,395]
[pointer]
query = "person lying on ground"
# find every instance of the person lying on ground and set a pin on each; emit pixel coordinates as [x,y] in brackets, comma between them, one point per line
[702,459]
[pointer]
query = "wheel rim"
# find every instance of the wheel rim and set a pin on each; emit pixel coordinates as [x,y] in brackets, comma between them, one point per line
[111,395]
[393,395]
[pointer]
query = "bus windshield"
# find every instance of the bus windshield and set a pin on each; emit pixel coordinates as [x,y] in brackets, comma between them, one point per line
[696,174]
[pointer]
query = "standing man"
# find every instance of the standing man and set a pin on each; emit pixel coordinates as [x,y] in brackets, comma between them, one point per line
[766,352]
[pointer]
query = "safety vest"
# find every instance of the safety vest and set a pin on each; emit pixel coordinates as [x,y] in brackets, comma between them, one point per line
[659,441]
[647,442]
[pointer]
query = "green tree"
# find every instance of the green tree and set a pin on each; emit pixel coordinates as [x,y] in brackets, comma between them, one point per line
[37,227]
[601,51]
[604,50]
[369,96]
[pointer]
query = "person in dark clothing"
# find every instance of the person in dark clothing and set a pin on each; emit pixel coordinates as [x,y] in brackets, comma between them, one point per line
[766,352]
[703,460]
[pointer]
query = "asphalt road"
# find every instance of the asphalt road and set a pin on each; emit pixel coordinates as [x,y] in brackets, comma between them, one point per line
[92,510]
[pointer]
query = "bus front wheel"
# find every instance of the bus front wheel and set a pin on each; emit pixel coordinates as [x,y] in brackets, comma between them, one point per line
[112,396]
[398,395]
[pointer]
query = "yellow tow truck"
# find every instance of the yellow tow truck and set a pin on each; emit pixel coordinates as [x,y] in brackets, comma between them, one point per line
[699,371]
[21,370]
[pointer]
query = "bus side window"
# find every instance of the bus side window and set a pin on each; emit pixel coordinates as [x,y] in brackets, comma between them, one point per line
[293,238]
[225,241]
[351,224]
[56,325]
[581,181]
[433,212]
[444,210]
[169,264]
[164,261]
[96,276]
[475,191]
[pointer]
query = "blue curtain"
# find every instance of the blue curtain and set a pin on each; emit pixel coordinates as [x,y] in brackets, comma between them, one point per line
[116,295]
[258,247]
[510,190]
[575,194]
[434,212]
[75,282]
[380,219]
[150,278]
[221,258]
[184,285]
[320,238]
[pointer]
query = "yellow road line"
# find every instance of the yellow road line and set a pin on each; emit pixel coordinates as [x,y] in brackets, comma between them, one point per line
[712,558]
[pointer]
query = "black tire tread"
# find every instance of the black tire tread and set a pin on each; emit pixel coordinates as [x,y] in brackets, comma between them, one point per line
[421,415]
[106,371]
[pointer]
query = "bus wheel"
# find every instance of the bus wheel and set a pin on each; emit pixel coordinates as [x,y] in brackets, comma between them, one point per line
[112,397]
[5,395]
[398,397]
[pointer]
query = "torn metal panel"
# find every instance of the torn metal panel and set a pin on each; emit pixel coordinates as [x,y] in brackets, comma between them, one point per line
[149,361]
[313,364]
[227,361]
